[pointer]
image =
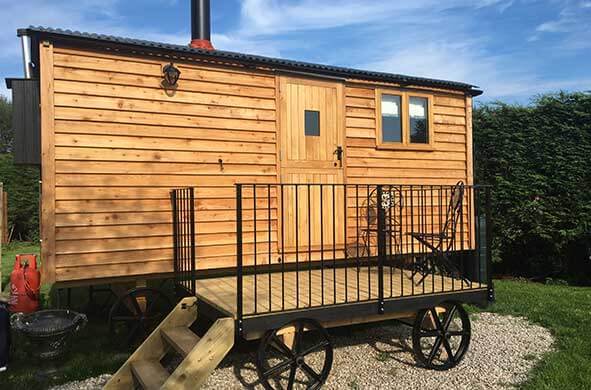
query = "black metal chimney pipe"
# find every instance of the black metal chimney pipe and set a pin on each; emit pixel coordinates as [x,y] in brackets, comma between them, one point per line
[200,25]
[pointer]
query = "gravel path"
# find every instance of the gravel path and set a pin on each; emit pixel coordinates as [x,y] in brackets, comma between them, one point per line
[502,350]
[95,383]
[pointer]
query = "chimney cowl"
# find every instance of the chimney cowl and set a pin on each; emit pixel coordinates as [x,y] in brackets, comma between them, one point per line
[200,25]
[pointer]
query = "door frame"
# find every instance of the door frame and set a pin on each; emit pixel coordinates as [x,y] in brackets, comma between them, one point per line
[341,126]
[341,115]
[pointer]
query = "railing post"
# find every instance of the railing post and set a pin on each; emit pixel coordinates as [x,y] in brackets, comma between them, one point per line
[192,239]
[489,243]
[239,257]
[381,248]
[175,243]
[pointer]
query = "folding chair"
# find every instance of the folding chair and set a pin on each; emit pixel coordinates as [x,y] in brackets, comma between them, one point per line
[441,244]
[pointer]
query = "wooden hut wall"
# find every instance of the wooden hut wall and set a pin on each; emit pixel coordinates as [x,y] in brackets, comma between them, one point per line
[122,142]
[118,142]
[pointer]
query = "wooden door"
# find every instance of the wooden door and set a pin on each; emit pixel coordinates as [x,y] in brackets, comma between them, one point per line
[311,132]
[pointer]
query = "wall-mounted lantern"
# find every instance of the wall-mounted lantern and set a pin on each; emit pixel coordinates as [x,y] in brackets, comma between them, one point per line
[171,75]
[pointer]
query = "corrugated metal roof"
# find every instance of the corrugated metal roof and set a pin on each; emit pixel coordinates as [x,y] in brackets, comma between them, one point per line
[278,63]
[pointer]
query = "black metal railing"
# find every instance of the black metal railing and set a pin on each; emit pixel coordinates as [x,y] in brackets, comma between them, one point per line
[183,235]
[301,246]
[312,245]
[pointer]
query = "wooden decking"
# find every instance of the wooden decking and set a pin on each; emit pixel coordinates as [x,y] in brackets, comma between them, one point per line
[313,288]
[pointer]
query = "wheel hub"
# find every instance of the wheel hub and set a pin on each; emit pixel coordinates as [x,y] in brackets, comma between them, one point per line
[273,375]
[299,360]
[440,338]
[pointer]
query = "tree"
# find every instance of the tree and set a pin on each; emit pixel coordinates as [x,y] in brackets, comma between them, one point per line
[6,132]
[20,182]
[538,158]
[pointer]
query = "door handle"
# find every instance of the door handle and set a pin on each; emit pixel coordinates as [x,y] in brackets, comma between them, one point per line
[339,153]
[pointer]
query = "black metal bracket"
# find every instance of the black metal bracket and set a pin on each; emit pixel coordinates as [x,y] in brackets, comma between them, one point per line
[339,153]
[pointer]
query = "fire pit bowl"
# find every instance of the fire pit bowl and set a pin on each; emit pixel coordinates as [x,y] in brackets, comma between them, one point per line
[48,330]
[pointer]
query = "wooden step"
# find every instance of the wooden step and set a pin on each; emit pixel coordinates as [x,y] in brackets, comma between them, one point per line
[204,358]
[152,350]
[149,373]
[181,338]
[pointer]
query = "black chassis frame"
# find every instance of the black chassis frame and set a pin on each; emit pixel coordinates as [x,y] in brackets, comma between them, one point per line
[260,323]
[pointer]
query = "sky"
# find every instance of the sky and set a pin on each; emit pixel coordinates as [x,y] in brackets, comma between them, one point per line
[512,49]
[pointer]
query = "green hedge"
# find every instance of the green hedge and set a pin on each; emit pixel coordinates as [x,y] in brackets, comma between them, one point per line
[22,185]
[6,132]
[538,158]
[20,182]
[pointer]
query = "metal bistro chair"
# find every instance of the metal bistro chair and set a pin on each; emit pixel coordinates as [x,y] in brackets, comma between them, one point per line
[442,243]
[392,202]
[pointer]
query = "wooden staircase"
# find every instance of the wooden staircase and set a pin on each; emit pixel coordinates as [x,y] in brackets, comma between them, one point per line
[200,355]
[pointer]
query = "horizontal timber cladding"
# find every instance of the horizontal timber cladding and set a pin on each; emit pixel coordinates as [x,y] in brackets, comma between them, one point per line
[122,142]
[449,161]
[446,163]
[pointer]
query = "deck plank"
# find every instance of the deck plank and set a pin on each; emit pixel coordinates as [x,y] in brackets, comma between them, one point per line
[222,290]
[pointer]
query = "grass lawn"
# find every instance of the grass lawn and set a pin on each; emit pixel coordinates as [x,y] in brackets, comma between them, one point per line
[566,311]
[92,352]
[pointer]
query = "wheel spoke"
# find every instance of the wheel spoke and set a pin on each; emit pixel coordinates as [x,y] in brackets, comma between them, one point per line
[450,354]
[446,323]
[458,333]
[310,372]
[155,316]
[278,369]
[133,333]
[150,304]
[291,380]
[315,348]
[449,317]
[280,346]
[430,333]
[434,350]
[297,342]
[435,317]
[124,318]
[136,305]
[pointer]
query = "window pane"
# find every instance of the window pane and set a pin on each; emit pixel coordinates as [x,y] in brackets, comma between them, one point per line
[391,121]
[312,123]
[419,126]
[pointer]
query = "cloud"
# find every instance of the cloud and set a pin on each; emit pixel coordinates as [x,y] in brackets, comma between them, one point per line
[81,14]
[497,75]
[237,43]
[275,17]
[431,38]
[423,38]
[572,24]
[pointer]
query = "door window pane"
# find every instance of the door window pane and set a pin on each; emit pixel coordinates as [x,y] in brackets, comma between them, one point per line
[312,123]
[419,126]
[391,121]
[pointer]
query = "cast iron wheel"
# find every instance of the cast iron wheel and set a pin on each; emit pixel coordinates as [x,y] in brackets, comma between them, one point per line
[136,314]
[440,338]
[304,364]
[100,300]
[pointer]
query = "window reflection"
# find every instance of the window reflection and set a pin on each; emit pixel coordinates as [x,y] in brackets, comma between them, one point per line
[419,128]
[391,121]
